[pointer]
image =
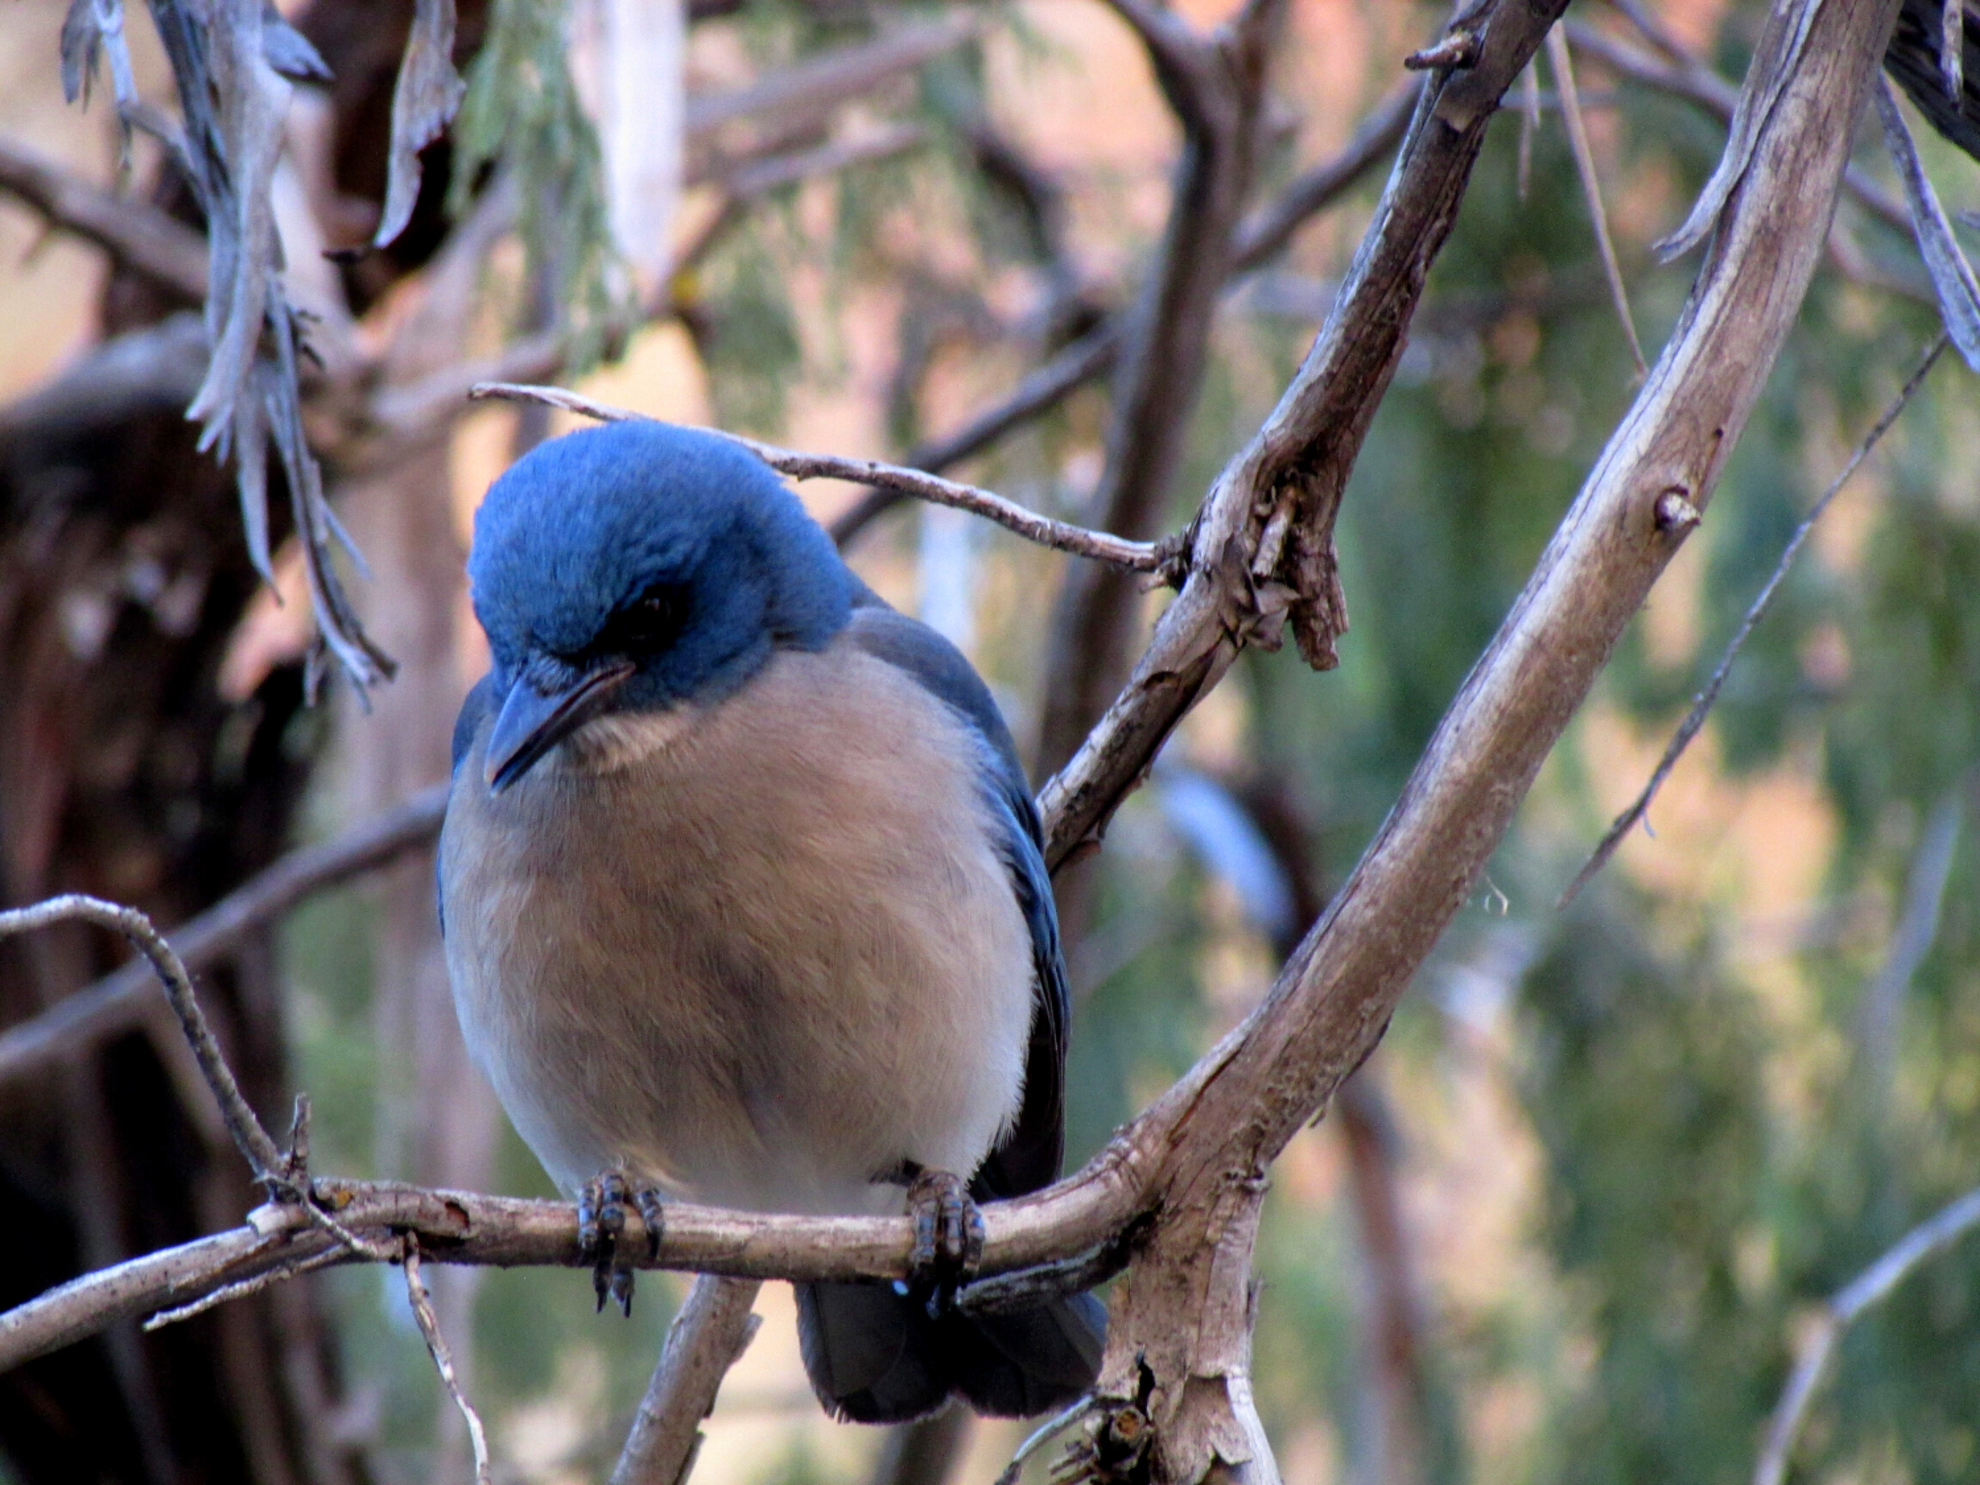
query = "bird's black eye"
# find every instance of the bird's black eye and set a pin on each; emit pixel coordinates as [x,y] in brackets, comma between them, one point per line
[648,624]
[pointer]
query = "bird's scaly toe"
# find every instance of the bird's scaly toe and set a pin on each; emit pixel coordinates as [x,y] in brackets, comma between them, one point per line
[653,1213]
[601,1214]
[948,1235]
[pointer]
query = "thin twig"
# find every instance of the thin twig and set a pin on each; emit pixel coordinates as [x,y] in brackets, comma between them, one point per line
[1042,1435]
[1529,126]
[1688,78]
[1115,551]
[1261,235]
[262,1156]
[243,1288]
[443,1359]
[118,999]
[1929,1238]
[1653,30]
[1256,240]
[1877,1018]
[1591,187]
[1702,704]
[760,177]
[1085,359]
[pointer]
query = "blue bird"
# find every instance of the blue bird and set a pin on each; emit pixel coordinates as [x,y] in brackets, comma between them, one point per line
[744,902]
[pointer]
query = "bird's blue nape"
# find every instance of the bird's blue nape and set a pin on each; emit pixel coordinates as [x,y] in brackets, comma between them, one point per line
[579,529]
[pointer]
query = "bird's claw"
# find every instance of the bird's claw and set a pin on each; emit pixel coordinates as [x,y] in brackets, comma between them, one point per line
[948,1235]
[653,1214]
[601,1214]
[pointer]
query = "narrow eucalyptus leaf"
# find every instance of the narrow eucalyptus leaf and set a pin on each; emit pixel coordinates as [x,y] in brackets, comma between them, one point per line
[424,101]
[1952,275]
[290,52]
[1775,60]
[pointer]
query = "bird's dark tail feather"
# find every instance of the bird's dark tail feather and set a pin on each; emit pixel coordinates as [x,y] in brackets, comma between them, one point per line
[874,1355]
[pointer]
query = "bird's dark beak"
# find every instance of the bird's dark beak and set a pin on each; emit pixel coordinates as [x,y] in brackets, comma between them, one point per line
[531,723]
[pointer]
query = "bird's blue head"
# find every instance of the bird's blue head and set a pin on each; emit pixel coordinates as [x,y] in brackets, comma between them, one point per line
[636,567]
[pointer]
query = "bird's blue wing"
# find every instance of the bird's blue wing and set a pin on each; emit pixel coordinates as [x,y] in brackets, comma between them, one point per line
[479,703]
[1028,1156]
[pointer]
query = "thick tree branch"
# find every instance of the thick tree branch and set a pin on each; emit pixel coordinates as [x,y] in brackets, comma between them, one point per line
[1262,547]
[1215,85]
[1338,993]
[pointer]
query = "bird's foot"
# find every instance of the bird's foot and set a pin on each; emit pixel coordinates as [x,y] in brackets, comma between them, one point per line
[948,1235]
[601,1214]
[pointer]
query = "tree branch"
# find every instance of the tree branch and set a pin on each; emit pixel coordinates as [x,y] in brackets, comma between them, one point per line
[792,101]
[1871,1287]
[1083,361]
[260,1152]
[1130,556]
[443,1359]
[117,1001]
[1688,78]
[136,234]
[1678,512]
[709,1335]
[1266,232]
[1263,543]
[1227,1121]
[1215,85]
[1078,1213]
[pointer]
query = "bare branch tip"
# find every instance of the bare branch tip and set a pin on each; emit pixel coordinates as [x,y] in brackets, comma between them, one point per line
[1452,53]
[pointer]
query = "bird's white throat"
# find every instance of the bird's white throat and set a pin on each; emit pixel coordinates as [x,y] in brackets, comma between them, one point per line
[619,740]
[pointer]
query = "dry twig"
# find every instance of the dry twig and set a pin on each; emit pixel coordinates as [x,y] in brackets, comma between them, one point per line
[116,1001]
[1701,704]
[443,1359]
[1930,1238]
[1591,187]
[1132,556]
[260,1152]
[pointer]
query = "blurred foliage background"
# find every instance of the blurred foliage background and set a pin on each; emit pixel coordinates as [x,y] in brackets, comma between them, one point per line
[1629,1143]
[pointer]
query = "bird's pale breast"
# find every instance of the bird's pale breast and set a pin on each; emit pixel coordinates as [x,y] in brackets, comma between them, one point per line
[760,952]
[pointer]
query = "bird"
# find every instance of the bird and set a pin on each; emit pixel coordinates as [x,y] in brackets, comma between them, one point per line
[744,902]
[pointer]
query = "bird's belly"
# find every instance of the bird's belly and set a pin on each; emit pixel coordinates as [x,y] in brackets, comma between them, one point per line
[753,973]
